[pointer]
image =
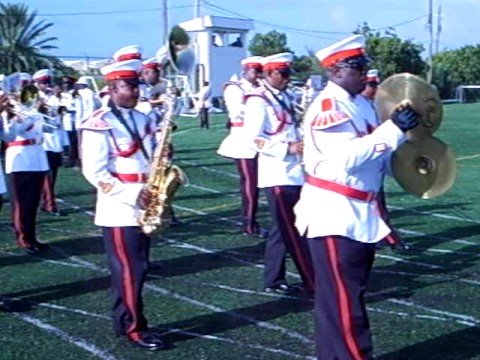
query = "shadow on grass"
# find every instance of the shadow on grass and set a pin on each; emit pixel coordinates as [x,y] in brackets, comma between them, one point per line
[458,345]
[222,322]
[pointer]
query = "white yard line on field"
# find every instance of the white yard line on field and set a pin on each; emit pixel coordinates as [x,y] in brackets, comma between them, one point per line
[206,168]
[74,340]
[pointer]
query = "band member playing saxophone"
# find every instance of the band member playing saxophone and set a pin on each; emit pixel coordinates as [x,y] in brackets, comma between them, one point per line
[116,152]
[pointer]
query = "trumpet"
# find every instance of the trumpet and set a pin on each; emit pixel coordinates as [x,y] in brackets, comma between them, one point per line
[29,100]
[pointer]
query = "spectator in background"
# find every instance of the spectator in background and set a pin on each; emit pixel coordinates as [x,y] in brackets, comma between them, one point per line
[204,103]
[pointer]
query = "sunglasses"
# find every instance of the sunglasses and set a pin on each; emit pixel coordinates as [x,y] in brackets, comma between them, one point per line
[372,84]
[285,73]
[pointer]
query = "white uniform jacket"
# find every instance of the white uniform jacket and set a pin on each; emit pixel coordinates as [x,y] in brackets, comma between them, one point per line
[272,128]
[69,118]
[84,105]
[237,145]
[53,134]
[344,146]
[24,139]
[115,164]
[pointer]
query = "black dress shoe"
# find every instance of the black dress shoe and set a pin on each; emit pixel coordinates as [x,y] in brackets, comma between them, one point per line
[53,213]
[282,289]
[149,341]
[41,246]
[258,233]
[31,250]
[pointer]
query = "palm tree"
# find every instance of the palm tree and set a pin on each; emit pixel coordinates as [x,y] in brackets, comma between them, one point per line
[23,41]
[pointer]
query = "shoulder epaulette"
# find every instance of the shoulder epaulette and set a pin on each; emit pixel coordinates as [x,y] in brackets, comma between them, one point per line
[97,120]
[228,83]
[329,115]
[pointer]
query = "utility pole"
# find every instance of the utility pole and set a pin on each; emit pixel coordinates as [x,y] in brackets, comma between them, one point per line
[196,13]
[430,47]
[165,21]
[439,28]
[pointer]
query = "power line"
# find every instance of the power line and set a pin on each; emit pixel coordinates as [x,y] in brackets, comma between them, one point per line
[308,32]
[112,12]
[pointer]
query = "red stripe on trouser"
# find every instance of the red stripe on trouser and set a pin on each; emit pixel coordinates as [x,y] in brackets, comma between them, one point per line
[127,279]
[345,312]
[48,196]
[299,256]
[247,193]
[17,215]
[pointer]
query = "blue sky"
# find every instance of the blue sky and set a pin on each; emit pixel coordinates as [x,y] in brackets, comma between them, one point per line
[96,28]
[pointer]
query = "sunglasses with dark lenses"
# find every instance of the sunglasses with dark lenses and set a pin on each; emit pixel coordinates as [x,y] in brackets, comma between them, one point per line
[285,73]
[372,84]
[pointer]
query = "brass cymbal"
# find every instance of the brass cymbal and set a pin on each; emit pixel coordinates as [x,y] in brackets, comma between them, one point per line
[422,96]
[424,167]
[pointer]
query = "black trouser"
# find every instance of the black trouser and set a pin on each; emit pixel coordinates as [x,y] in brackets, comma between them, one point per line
[26,187]
[204,118]
[284,236]
[342,268]
[48,191]
[127,251]
[73,148]
[247,168]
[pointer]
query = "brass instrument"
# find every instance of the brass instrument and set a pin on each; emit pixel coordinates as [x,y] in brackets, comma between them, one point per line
[164,178]
[163,181]
[27,105]
[422,96]
[424,166]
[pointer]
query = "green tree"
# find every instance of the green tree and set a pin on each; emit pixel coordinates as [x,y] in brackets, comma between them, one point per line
[267,44]
[456,67]
[392,55]
[23,40]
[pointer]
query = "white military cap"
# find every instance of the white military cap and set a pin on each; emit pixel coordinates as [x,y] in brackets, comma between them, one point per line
[277,62]
[42,75]
[25,77]
[130,52]
[372,75]
[252,62]
[347,48]
[128,69]
[151,63]
[82,80]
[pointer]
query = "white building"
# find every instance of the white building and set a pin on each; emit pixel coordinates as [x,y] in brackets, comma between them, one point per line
[220,44]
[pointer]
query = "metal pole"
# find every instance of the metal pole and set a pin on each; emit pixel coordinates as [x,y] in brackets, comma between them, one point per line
[165,21]
[430,48]
[196,13]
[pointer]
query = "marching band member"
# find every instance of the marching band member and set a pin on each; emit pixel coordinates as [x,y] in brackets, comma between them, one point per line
[27,165]
[274,129]
[68,120]
[116,154]
[53,144]
[237,144]
[345,162]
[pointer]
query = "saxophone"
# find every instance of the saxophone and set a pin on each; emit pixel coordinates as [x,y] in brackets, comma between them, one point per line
[163,181]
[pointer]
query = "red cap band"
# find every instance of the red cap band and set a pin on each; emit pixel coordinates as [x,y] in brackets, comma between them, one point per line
[276,66]
[252,65]
[121,74]
[129,57]
[341,55]
[154,66]
[42,78]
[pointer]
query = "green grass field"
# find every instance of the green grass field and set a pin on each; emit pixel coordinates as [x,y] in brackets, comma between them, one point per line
[208,296]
